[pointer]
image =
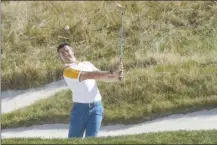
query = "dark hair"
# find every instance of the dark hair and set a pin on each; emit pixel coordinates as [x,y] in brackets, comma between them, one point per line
[62,45]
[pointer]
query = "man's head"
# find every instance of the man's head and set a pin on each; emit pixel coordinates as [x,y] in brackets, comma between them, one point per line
[66,53]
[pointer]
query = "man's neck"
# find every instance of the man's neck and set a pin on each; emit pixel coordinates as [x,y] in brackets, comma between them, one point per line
[71,62]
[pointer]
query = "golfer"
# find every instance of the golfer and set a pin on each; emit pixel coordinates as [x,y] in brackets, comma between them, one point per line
[87,112]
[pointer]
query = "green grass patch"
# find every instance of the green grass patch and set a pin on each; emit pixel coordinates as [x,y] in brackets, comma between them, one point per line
[143,95]
[176,137]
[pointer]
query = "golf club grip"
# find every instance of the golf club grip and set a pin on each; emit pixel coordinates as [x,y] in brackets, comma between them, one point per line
[121,61]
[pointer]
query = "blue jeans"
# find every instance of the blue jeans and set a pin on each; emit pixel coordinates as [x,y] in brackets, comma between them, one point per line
[85,118]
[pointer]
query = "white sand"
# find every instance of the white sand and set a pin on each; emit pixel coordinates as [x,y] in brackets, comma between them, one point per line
[12,100]
[16,99]
[201,120]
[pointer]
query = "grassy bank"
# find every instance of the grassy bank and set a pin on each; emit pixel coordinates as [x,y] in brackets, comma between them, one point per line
[177,137]
[143,95]
[169,59]
[32,30]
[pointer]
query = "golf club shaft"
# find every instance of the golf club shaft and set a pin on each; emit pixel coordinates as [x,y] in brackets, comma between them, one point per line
[121,36]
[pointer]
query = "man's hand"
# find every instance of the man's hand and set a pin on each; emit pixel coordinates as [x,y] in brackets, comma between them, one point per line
[120,72]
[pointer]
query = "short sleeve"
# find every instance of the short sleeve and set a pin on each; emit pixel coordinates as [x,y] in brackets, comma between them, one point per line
[72,73]
[94,68]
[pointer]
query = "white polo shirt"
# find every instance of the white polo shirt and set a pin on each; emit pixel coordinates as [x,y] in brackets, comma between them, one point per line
[82,91]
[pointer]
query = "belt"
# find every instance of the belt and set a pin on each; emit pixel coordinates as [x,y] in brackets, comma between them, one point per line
[88,104]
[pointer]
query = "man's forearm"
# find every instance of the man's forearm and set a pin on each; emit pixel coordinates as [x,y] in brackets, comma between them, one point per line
[102,75]
[108,77]
[99,75]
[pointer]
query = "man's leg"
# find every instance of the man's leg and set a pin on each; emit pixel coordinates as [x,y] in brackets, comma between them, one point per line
[77,123]
[94,121]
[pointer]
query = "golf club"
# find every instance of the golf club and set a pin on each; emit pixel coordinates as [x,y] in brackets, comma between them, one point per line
[121,31]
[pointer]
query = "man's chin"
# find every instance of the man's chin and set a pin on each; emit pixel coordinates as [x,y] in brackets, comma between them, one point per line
[69,61]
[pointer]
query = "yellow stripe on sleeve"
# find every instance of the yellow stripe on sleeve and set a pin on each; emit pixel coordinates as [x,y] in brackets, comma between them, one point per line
[71,73]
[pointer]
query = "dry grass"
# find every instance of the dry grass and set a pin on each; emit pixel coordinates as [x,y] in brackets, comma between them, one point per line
[155,33]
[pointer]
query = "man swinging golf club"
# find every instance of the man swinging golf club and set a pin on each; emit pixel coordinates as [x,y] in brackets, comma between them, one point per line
[87,112]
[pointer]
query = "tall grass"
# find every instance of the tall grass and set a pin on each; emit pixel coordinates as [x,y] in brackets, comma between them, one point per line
[32,30]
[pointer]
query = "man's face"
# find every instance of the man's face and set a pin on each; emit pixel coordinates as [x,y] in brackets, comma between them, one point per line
[66,54]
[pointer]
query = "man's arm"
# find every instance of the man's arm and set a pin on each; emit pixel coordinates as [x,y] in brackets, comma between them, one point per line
[107,76]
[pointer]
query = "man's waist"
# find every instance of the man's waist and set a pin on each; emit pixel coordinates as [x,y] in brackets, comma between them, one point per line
[88,104]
